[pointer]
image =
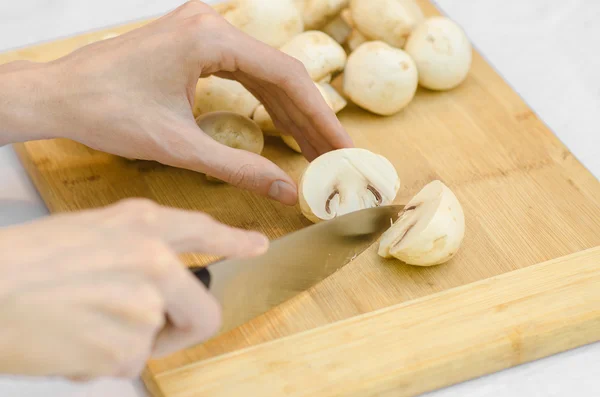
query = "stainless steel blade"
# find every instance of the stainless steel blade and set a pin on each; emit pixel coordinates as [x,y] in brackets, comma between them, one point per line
[249,287]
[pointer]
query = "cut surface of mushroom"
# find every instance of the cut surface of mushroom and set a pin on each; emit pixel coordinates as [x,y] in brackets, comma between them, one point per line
[442,53]
[429,231]
[216,94]
[390,21]
[273,22]
[380,78]
[320,54]
[344,181]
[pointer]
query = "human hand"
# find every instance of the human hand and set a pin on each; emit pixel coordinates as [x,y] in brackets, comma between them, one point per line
[86,295]
[133,96]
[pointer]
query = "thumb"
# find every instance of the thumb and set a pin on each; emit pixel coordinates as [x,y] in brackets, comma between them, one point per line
[248,171]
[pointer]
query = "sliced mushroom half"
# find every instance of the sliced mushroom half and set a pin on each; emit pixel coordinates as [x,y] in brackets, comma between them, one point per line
[429,231]
[344,181]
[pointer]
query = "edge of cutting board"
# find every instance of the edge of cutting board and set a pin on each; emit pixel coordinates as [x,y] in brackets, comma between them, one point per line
[418,346]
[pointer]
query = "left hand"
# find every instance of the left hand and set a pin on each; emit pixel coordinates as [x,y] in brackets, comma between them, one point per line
[133,95]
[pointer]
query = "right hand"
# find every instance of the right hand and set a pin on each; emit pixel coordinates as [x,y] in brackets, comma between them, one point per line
[87,294]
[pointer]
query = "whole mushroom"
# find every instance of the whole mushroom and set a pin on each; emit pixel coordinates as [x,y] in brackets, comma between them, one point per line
[380,78]
[442,53]
[429,231]
[344,181]
[390,21]
[273,22]
[217,94]
[320,54]
[233,130]
[317,13]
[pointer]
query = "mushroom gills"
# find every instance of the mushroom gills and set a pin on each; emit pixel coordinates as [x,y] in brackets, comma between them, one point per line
[429,231]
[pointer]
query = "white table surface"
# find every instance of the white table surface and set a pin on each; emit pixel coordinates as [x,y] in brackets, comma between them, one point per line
[548,51]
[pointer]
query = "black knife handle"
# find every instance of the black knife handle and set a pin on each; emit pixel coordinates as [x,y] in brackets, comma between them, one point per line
[202,274]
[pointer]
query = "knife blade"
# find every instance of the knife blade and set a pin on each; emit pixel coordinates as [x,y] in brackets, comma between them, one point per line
[249,287]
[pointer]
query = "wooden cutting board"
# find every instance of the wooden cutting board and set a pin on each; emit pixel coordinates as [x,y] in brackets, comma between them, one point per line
[524,284]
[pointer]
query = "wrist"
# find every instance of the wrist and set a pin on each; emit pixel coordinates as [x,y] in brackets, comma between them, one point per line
[26,102]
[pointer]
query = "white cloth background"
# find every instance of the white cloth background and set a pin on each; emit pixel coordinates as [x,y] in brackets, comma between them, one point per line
[548,51]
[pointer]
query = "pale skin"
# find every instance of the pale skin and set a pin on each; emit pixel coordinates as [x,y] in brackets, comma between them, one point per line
[99,292]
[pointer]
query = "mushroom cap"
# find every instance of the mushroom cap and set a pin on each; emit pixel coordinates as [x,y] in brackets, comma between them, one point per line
[390,21]
[233,130]
[380,78]
[338,29]
[316,13]
[216,94]
[346,180]
[273,22]
[442,53]
[429,231]
[320,54]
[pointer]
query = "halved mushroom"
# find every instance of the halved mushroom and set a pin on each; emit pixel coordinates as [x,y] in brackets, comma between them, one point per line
[344,181]
[320,54]
[233,130]
[390,21]
[442,53]
[380,78]
[429,231]
[273,22]
[216,94]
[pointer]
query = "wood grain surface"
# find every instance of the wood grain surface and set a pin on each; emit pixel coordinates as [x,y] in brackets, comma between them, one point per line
[411,348]
[526,200]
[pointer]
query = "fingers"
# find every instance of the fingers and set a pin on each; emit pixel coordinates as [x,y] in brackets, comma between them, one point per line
[193,314]
[248,171]
[187,231]
[299,97]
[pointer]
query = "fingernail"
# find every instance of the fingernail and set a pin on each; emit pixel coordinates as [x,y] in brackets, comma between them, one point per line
[283,192]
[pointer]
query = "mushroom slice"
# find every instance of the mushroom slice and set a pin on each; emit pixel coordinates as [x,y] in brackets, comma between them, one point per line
[429,231]
[320,54]
[380,78]
[216,94]
[390,21]
[273,22]
[442,53]
[233,130]
[344,181]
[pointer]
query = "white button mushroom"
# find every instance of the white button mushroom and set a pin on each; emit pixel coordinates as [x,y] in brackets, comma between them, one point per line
[380,78]
[390,21]
[320,54]
[344,181]
[429,231]
[217,94]
[338,29]
[316,13]
[442,52]
[273,22]
[233,130]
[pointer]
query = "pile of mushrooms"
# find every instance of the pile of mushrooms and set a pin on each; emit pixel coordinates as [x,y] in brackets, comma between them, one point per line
[382,50]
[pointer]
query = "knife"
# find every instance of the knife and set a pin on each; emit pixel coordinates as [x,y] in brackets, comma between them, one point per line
[249,287]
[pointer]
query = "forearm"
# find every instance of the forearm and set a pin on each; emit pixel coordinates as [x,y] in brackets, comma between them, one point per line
[26,103]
